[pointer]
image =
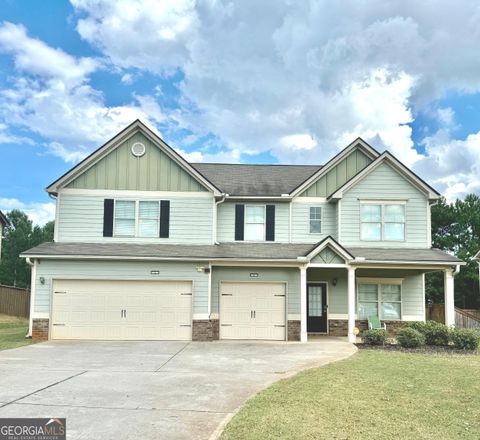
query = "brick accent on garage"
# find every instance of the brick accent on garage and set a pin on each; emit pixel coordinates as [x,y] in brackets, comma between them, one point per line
[205,330]
[293,330]
[40,329]
[339,327]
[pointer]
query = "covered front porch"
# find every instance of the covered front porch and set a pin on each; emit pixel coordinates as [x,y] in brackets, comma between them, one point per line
[339,291]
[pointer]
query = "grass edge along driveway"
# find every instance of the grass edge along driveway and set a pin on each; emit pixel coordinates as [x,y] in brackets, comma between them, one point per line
[372,395]
[12,332]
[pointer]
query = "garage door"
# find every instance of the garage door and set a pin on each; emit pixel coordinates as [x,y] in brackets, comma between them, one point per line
[94,309]
[252,310]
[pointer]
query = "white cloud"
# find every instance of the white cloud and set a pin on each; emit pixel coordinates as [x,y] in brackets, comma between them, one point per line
[298,142]
[52,98]
[39,213]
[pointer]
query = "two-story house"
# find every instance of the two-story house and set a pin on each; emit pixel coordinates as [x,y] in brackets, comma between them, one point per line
[149,246]
[4,222]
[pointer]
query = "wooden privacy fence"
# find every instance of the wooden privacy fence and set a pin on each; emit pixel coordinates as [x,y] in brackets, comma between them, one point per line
[464,319]
[435,312]
[14,301]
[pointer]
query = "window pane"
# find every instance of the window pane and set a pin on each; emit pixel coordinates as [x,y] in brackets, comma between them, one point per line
[315,301]
[254,232]
[391,292]
[148,210]
[125,227]
[394,231]
[124,209]
[391,310]
[371,213]
[367,309]
[254,214]
[315,213]
[148,228]
[371,231]
[315,226]
[394,213]
[367,292]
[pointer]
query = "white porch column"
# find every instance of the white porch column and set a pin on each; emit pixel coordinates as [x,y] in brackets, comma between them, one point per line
[351,304]
[303,304]
[449,298]
[32,295]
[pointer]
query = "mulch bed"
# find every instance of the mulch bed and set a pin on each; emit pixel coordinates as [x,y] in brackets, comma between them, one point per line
[427,349]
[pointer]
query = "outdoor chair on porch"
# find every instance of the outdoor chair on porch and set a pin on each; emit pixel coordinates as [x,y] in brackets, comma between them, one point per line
[374,323]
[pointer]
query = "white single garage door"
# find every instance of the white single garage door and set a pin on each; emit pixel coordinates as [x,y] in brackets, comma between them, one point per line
[114,309]
[252,310]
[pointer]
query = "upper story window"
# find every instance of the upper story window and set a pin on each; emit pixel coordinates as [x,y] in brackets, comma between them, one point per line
[382,222]
[255,223]
[315,220]
[136,218]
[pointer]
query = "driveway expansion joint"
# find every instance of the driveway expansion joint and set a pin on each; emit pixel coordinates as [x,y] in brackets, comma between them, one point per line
[168,360]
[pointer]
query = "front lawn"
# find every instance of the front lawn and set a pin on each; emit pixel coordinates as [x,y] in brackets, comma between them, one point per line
[13,331]
[372,395]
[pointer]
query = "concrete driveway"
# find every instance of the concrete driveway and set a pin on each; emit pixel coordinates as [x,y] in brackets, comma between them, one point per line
[148,390]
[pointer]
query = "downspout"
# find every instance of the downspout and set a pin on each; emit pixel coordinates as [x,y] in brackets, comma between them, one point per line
[215,217]
[457,270]
[209,303]
[32,294]
[57,209]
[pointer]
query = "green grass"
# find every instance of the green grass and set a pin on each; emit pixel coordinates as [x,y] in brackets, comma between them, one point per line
[373,395]
[13,331]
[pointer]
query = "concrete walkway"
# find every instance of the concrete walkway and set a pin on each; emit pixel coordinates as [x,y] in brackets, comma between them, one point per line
[149,390]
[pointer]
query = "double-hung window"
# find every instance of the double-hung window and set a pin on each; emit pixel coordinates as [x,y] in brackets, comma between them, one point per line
[382,222]
[315,220]
[382,299]
[255,223]
[136,218]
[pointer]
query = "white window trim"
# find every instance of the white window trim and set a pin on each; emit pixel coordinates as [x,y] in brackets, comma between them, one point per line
[137,218]
[320,220]
[382,204]
[264,221]
[379,282]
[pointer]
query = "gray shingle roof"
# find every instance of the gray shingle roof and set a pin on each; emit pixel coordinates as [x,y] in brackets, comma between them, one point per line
[256,180]
[234,251]
[408,254]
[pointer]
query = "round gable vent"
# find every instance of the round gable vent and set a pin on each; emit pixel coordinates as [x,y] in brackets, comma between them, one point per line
[138,149]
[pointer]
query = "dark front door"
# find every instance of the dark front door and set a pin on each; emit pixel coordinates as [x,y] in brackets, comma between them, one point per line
[317,308]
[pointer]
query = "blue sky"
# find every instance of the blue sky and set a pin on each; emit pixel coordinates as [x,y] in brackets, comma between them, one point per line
[238,81]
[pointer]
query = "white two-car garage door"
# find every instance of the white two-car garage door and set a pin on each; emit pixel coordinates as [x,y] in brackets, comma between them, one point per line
[250,310]
[114,309]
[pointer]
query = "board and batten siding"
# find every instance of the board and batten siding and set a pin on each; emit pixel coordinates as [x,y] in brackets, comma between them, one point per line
[80,219]
[265,274]
[121,170]
[384,183]
[118,270]
[301,221]
[226,220]
[412,290]
[355,162]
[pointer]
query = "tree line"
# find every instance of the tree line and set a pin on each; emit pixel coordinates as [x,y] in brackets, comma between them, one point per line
[455,229]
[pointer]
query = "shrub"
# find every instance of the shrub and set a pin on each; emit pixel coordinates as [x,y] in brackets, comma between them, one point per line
[374,336]
[435,333]
[410,338]
[465,338]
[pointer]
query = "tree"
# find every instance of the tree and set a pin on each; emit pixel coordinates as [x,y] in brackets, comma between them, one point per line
[20,236]
[456,229]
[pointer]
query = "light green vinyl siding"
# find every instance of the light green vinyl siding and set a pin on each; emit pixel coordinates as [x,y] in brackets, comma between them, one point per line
[412,288]
[385,183]
[121,170]
[338,175]
[226,220]
[81,219]
[301,222]
[328,256]
[58,269]
[283,274]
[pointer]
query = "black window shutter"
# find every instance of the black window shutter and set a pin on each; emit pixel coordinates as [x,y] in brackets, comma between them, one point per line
[164,218]
[239,222]
[270,223]
[108,218]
